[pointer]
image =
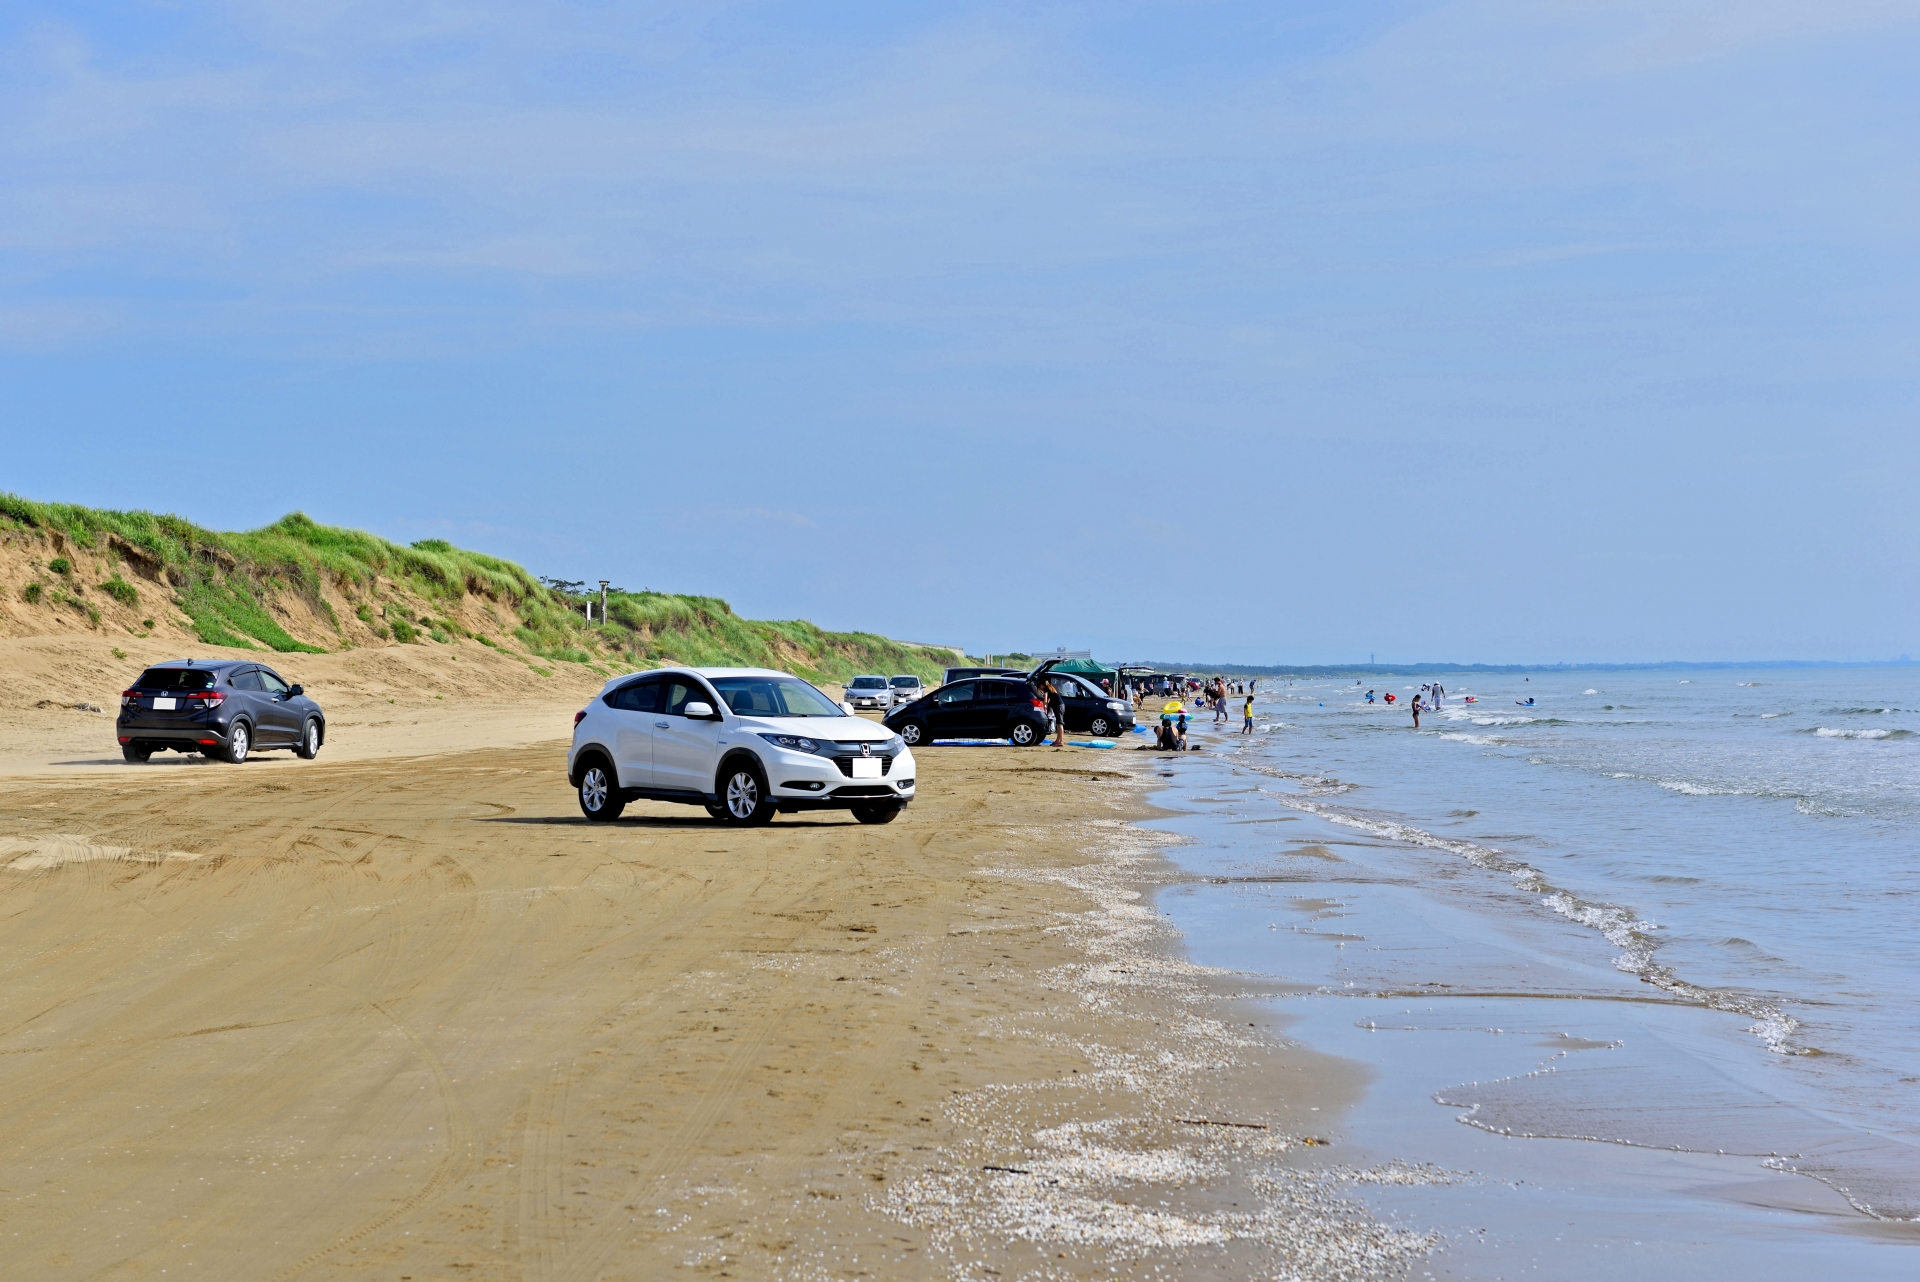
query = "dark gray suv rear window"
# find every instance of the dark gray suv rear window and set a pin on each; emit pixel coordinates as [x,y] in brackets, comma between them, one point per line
[175,679]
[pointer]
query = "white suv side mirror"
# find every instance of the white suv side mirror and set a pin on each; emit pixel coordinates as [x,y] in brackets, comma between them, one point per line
[846,707]
[698,711]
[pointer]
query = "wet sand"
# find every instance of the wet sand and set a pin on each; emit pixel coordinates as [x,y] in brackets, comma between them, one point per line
[404,1014]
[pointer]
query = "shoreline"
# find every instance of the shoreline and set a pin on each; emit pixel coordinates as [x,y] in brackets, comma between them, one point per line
[1439,1008]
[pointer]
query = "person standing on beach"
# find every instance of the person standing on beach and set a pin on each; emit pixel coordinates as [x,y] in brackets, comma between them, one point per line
[1416,712]
[1057,709]
[1246,727]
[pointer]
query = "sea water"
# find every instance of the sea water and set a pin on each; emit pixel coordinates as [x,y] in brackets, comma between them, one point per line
[1656,912]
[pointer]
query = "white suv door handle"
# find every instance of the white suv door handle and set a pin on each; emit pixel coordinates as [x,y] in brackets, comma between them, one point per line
[661,724]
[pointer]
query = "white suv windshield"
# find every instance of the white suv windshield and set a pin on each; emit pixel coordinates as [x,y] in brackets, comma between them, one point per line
[775,697]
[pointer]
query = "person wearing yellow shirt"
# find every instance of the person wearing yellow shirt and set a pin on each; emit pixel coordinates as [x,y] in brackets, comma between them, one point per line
[1246,727]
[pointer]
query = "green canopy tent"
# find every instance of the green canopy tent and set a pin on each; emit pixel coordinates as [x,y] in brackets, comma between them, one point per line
[1087,668]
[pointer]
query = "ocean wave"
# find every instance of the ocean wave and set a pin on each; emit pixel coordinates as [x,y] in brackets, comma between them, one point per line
[1826,733]
[1483,740]
[1687,788]
[1618,925]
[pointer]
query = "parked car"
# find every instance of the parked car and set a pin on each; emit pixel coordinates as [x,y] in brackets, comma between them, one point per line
[961,674]
[1089,709]
[870,692]
[743,742]
[229,709]
[976,708]
[906,689]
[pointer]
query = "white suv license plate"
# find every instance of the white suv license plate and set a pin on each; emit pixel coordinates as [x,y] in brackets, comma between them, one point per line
[866,767]
[163,705]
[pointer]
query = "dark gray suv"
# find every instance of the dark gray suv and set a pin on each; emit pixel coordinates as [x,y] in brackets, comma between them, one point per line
[227,709]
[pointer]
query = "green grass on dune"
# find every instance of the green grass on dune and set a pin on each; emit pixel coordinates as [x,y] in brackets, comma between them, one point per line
[226,583]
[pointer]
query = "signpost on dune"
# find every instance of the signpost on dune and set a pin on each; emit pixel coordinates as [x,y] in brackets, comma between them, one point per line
[603,601]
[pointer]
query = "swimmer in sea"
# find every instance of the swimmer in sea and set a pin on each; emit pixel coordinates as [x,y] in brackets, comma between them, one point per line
[1416,712]
[1527,704]
[1369,696]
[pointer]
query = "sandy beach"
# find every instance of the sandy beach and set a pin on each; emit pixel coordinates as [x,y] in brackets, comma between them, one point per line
[401,1013]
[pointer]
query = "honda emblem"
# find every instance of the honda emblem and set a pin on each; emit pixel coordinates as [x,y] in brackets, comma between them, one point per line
[866,750]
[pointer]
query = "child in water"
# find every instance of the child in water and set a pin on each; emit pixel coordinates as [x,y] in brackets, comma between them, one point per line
[1246,727]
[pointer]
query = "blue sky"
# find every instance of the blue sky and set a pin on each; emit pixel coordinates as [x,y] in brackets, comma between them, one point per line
[1470,331]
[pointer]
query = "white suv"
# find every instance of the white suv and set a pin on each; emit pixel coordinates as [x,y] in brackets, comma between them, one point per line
[743,742]
[870,692]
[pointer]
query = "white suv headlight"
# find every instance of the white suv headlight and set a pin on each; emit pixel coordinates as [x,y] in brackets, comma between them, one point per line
[796,743]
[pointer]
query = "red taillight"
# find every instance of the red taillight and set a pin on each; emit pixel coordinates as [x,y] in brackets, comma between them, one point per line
[1039,703]
[208,697]
[579,716]
[129,696]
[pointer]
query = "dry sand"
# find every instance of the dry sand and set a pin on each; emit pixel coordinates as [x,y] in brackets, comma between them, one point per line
[401,1013]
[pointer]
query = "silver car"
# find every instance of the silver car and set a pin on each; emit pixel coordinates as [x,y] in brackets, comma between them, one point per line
[870,692]
[906,689]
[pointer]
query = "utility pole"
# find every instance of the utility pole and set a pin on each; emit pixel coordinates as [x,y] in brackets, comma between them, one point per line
[603,601]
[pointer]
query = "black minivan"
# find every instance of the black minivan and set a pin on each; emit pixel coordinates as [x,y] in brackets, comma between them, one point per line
[226,709]
[977,708]
[1090,710]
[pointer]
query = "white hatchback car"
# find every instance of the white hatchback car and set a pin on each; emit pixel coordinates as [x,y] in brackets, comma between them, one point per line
[743,742]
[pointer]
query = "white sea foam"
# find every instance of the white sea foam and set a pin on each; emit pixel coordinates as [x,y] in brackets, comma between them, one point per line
[1589,692]
[1620,926]
[1483,740]
[1689,788]
[1826,733]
